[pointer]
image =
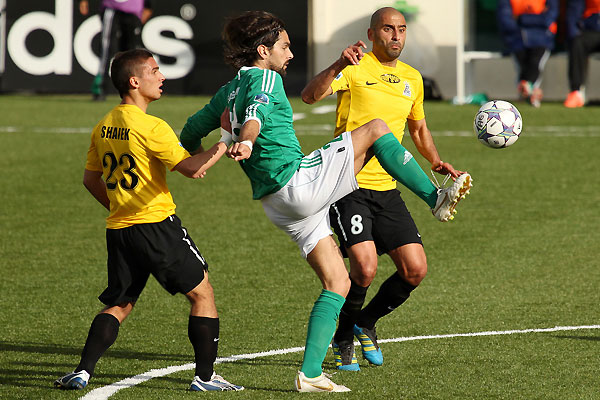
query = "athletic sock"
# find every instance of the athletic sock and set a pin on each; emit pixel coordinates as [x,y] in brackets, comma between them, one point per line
[321,326]
[203,332]
[392,293]
[401,165]
[103,333]
[350,311]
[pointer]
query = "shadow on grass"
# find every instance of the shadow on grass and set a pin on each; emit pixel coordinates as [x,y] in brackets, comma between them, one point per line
[592,338]
[52,348]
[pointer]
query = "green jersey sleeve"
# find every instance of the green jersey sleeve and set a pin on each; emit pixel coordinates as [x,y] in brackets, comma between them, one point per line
[262,96]
[204,121]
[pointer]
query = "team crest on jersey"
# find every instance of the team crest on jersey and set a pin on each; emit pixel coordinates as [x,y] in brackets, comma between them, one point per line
[390,78]
[407,91]
[339,76]
[262,98]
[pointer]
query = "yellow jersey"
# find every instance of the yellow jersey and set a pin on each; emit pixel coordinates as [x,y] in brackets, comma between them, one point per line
[131,149]
[371,90]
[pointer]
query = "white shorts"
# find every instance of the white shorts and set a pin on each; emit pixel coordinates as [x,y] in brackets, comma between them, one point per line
[301,207]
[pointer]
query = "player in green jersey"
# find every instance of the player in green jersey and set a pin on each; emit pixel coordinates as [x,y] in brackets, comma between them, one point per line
[297,190]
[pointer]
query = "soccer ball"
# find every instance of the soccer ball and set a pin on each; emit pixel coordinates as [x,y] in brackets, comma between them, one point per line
[498,124]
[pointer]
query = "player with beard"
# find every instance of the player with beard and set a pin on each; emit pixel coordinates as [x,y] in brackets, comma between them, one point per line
[297,190]
[374,219]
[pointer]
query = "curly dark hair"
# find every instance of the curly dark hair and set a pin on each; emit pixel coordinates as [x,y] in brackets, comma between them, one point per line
[125,65]
[244,33]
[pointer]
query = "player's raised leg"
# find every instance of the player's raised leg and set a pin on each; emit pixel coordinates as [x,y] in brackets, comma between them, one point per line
[375,138]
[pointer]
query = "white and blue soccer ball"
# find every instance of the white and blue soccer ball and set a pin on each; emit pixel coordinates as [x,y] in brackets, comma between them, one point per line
[498,124]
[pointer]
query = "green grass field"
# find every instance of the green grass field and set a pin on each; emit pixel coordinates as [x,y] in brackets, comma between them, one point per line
[521,254]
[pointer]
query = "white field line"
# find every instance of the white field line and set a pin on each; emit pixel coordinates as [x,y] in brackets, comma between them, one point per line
[105,392]
[320,129]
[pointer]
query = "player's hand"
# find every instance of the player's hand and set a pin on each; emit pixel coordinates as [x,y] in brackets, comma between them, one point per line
[445,168]
[239,151]
[353,53]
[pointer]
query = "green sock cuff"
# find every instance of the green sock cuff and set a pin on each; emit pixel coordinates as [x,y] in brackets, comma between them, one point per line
[384,141]
[332,297]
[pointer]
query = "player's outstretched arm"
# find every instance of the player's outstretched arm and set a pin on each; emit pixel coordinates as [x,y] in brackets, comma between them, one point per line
[423,140]
[195,166]
[320,86]
[93,182]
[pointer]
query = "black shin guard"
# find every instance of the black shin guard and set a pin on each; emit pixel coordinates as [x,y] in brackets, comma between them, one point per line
[392,293]
[203,333]
[350,311]
[103,333]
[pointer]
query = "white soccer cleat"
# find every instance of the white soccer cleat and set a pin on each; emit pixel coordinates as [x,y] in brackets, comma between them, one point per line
[321,383]
[216,383]
[449,197]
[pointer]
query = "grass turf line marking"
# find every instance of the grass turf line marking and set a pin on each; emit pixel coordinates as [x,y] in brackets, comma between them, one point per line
[105,392]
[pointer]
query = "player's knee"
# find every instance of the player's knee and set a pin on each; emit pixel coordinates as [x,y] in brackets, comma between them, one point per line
[363,271]
[377,128]
[200,294]
[415,273]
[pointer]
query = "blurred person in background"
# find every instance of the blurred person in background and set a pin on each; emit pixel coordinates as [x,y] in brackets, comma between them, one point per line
[583,36]
[528,28]
[122,22]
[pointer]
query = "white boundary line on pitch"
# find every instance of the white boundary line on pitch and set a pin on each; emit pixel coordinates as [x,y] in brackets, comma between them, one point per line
[105,392]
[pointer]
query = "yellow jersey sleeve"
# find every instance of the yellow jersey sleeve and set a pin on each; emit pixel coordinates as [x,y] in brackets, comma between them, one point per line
[417,112]
[93,160]
[164,145]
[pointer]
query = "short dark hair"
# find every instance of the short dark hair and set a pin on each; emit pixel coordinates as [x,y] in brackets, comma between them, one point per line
[125,65]
[244,33]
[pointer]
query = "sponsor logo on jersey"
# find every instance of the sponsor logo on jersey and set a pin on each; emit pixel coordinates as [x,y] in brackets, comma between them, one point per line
[390,78]
[339,76]
[262,98]
[407,91]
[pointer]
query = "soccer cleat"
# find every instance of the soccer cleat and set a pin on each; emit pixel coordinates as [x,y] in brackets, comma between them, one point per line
[449,197]
[524,89]
[344,356]
[368,342]
[216,383]
[574,100]
[74,380]
[321,383]
[536,97]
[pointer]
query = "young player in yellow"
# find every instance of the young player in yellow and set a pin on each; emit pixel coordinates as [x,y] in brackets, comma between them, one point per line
[374,220]
[125,172]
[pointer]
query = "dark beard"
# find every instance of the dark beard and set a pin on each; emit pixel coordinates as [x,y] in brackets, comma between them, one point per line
[281,70]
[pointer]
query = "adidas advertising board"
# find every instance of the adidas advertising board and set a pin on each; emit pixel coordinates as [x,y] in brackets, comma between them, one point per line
[47,46]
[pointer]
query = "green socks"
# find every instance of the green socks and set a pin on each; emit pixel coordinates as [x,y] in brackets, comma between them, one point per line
[321,326]
[401,165]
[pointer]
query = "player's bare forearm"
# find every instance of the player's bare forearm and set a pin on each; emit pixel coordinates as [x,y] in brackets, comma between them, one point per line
[424,143]
[93,182]
[196,166]
[320,86]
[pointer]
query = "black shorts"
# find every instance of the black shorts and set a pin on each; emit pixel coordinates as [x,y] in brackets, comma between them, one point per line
[163,249]
[371,215]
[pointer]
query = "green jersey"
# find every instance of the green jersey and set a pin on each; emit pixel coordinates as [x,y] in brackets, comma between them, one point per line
[254,94]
